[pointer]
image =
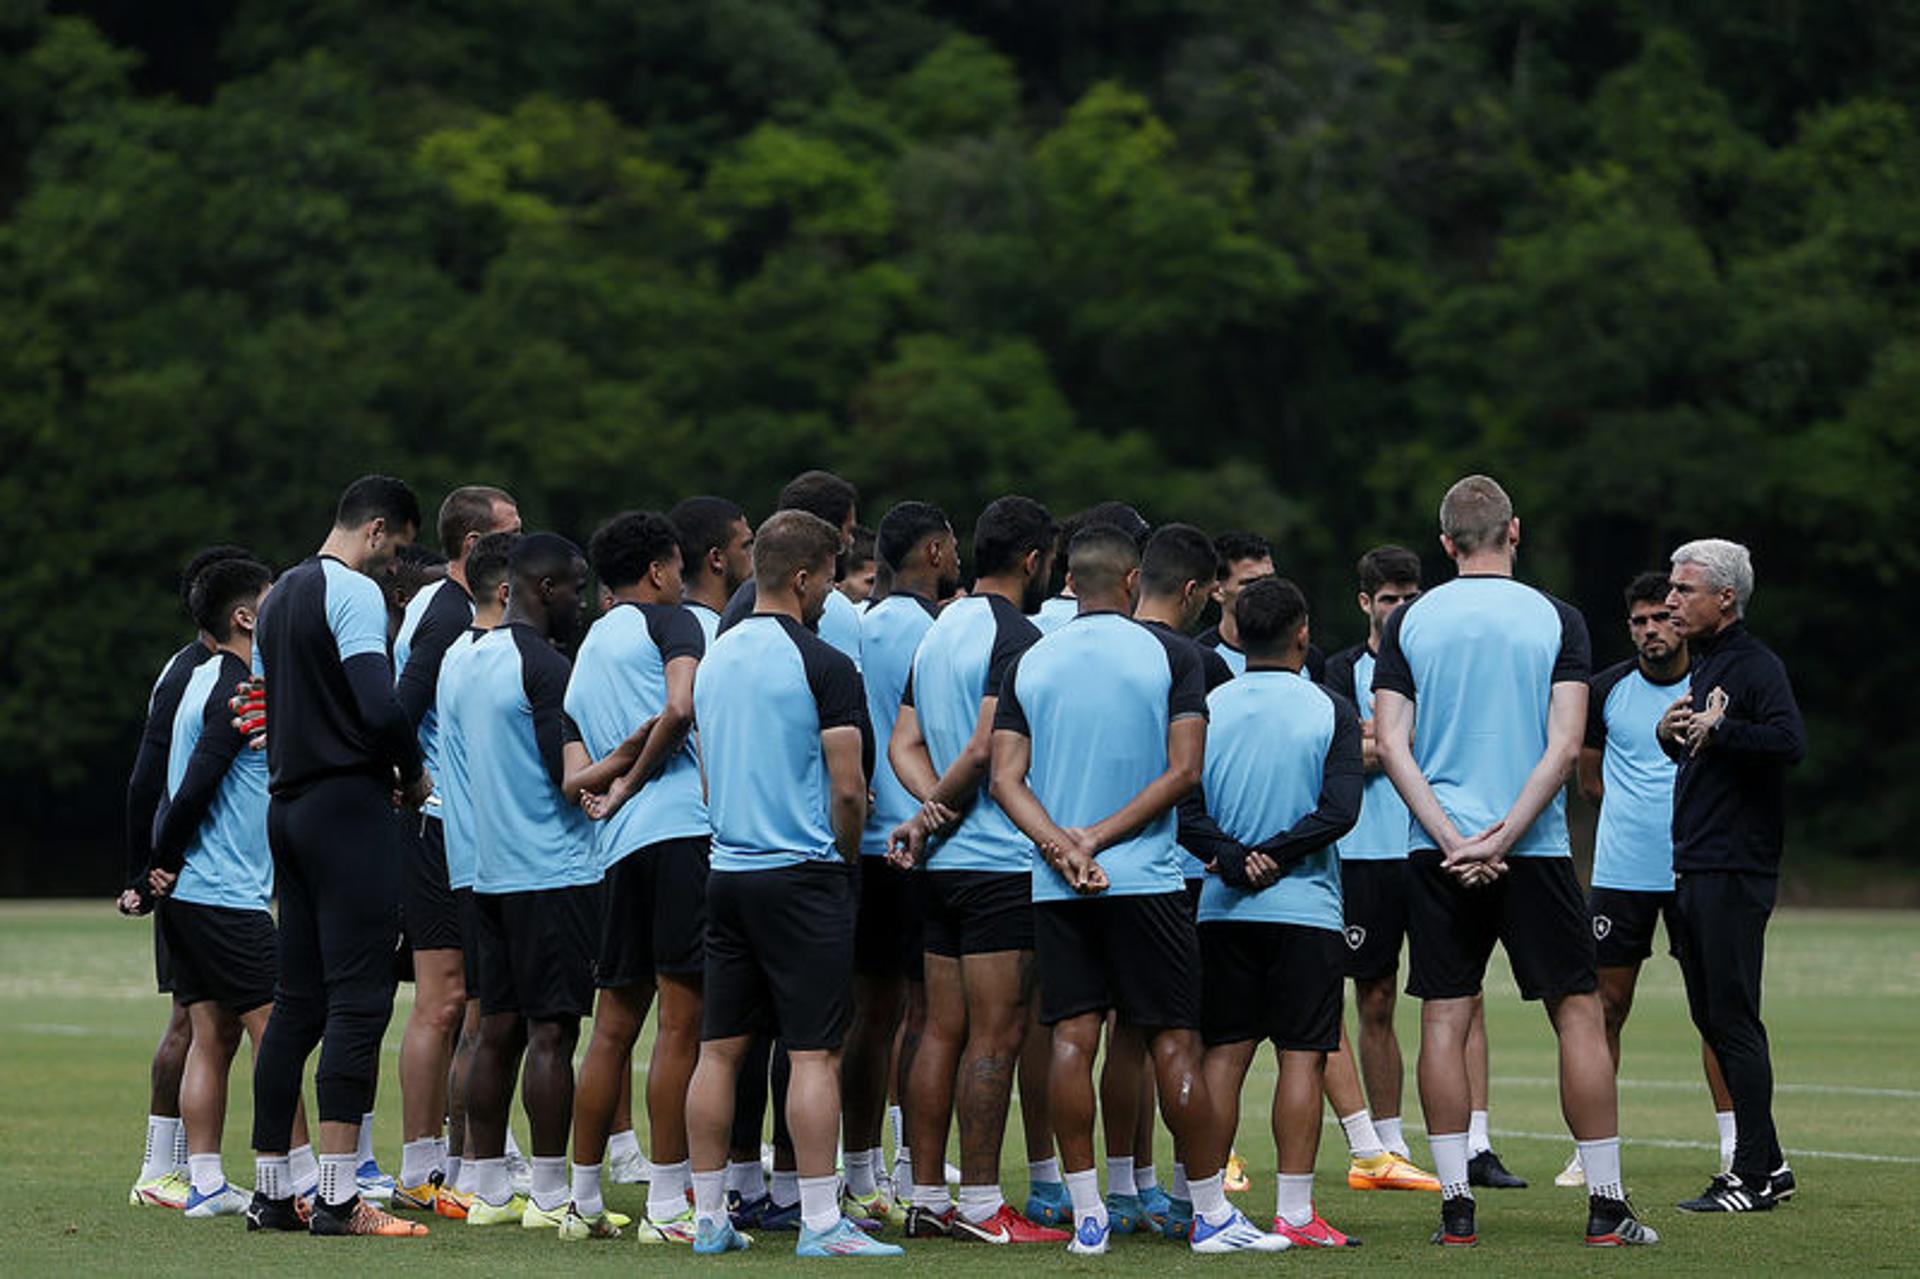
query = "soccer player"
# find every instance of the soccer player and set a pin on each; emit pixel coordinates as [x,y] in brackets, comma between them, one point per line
[1056,611]
[1373,886]
[535,878]
[487,571]
[862,567]
[1099,732]
[1282,782]
[633,678]
[214,872]
[785,748]
[716,556]
[979,885]
[163,1181]
[1245,557]
[415,568]
[917,544]
[1625,772]
[832,499]
[1496,672]
[1734,733]
[338,748]
[439,614]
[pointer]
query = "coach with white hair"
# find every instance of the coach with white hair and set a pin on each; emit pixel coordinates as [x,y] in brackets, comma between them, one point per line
[1734,735]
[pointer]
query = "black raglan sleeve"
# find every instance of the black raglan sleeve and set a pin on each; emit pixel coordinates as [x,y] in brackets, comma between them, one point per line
[178,819]
[1342,780]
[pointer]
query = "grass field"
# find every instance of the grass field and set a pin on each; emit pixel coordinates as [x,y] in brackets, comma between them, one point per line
[78,1019]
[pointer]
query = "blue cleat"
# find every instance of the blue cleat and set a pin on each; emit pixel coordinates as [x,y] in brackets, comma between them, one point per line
[1048,1204]
[843,1239]
[1090,1238]
[711,1237]
[1235,1234]
[1179,1221]
[1156,1205]
[776,1217]
[746,1213]
[1125,1216]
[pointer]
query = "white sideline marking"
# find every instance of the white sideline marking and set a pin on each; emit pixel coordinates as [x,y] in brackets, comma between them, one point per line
[1668,1143]
[56,1028]
[1699,1085]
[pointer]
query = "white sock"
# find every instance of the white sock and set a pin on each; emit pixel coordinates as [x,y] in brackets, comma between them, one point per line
[440,1155]
[1390,1135]
[1724,1118]
[1600,1160]
[1084,1189]
[490,1181]
[1477,1140]
[1179,1189]
[746,1179]
[1450,1163]
[667,1192]
[365,1152]
[464,1182]
[450,1175]
[878,1156]
[1293,1202]
[1120,1174]
[180,1154]
[623,1144]
[1043,1172]
[1210,1199]
[207,1174]
[513,1147]
[710,1196]
[860,1173]
[549,1182]
[157,1160]
[337,1184]
[586,1190]
[270,1177]
[819,1202]
[303,1166]
[979,1203]
[416,1161]
[785,1189]
[897,1121]
[932,1198]
[1363,1139]
[1145,1179]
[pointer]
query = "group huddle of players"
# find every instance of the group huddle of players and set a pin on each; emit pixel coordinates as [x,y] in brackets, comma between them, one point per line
[852,836]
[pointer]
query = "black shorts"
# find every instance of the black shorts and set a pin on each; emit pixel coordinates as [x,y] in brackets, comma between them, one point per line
[1375,894]
[977,912]
[1281,982]
[469,909]
[780,954]
[162,961]
[536,952]
[227,955]
[431,915]
[1138,955]
[654,918]
[1535,910]
[1194,888]
[886,939]
[1623,923]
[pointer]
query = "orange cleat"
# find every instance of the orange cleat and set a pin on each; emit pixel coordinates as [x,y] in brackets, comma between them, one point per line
[1389,1172]
[365,1219]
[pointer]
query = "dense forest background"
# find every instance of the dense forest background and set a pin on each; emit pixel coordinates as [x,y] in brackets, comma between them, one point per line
[1288,266]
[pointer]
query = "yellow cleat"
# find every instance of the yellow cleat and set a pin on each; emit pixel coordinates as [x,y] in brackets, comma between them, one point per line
[575,1228]
[1389,1172]
[878,1206]
[482,1213]
[168,1190]
[680,1229]
[1236,1179]
[424,1197]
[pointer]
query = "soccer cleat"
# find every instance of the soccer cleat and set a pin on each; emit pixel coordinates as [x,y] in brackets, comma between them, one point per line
[843,1239]
[1125,1216]
[1456,1223]
[287,1214]
[1089,1237]
[930,1223]
[1048,1204]
[358,1217]
[1236,1179]
[1611,1224]
[168,1190]
[1315,1234]
[746,1213]
[482,1213]
[1573,1174]
[1780,1186]
[1155,1203]
[520,1174]
[421,1198]
[534,1217]
[1179,1222]
[1389,1172]
[710,1237]
[575,1228]
[678,1229]
[1004,1227]
[781,1216]
[878,1207]
[1485,1169]
[372,1183]
[1235,1234]
[224,1202]
[452,1204]
[1727,1193]
[628,1168]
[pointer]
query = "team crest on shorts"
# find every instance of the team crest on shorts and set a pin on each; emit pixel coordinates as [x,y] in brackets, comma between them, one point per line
[1601,927]
[1356,937]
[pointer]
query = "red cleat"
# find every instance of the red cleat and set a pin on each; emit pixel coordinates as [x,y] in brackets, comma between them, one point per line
[1006,1226]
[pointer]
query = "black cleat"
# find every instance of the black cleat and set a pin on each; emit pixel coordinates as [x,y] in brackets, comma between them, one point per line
[1727,1193]
[1456,1223]
[1485,1169]
[1611,1224]
[926,1223]
[275,1214]
[1780,1186]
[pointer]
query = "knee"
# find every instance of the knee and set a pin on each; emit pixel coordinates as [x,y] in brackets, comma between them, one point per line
[1375,1000]
[553,1036]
